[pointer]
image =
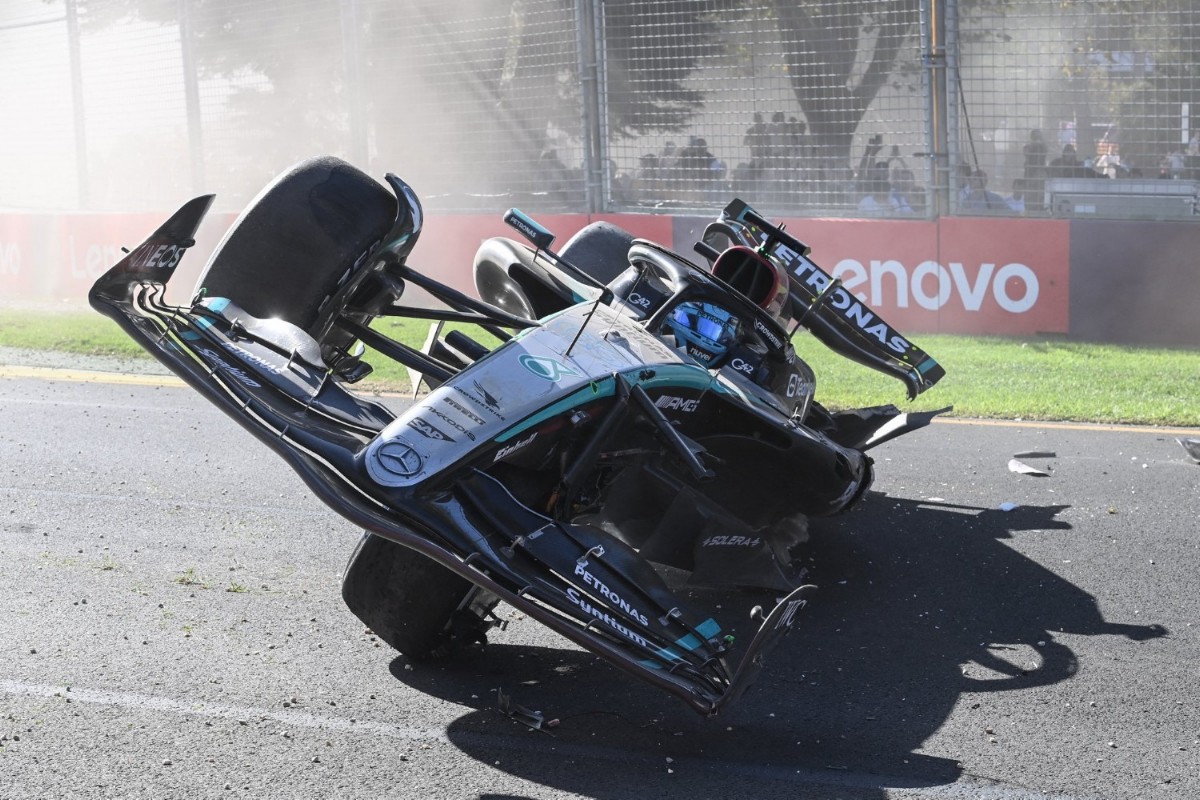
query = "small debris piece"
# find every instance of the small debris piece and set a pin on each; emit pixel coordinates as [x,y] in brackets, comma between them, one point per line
[1024,469]
[1191,446]
[534,719]
[1007,506]
[1036,454]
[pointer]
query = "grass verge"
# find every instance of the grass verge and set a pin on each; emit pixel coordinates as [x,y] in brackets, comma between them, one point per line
[986,377]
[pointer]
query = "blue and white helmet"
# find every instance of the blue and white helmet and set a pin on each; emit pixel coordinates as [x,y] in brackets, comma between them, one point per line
[704,330]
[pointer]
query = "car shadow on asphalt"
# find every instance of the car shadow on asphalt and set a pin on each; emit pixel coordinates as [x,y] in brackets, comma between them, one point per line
[920,603]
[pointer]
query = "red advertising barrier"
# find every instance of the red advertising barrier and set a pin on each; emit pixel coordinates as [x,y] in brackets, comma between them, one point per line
[959,275]
[956,275]
[59,256]
[446,249]
[16,257]
[91,243]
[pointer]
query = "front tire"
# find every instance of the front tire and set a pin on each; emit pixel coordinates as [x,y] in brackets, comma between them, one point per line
[298,241]
[409,600]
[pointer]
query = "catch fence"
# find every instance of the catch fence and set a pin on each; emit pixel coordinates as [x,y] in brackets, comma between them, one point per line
[848,108]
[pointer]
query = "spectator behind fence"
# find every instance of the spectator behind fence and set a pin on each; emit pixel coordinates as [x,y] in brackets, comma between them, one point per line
[904,198]
[777,142]
[875,189]
[980,198]
[1036,153]
[695,161]
[756,140]
[1068,165]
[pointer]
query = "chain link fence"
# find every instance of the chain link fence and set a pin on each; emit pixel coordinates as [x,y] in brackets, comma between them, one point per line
[909,109]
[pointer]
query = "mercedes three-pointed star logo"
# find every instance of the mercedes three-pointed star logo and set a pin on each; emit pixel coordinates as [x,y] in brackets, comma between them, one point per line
[400,458]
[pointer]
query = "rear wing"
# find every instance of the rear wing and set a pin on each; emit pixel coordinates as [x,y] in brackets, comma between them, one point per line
[817,301]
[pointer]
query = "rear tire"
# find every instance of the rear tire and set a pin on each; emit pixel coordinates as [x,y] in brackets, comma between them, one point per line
[600,249]
[298,240]
[409,600]
[494,263]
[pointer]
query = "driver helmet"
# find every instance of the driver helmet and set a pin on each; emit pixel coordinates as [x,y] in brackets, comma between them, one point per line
[704,330]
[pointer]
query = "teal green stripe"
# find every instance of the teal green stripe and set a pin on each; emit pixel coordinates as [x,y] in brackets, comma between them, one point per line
[669,375]
[708,629]
[669,655]
[680,375]
[592,391]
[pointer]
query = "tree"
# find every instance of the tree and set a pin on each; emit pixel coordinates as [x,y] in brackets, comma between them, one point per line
[1141,63]
[839,55]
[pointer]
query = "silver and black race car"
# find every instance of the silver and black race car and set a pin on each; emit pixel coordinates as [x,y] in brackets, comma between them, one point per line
[600,430]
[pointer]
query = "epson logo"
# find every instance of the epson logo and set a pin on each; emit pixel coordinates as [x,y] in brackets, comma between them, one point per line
[677,403]
[151,256]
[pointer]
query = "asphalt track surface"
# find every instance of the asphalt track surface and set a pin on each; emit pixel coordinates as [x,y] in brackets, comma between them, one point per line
[171,627]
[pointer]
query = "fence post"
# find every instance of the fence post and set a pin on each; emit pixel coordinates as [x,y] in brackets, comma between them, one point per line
[191,94]
[81,159]
[359,151]
[939,119]
[587,47]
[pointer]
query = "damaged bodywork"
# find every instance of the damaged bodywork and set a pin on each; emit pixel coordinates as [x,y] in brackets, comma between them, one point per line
[626,411]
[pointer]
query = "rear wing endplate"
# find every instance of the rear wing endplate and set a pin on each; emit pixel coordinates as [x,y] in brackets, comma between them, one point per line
[819,302]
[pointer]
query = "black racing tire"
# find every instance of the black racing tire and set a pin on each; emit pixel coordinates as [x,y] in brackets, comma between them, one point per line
[407,599]
[600,249]
[495,262]
[298,240]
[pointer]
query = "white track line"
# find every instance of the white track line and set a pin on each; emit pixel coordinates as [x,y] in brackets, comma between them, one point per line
[808,776]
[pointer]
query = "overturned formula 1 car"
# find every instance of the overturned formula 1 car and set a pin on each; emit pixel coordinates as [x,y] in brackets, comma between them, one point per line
[643,414]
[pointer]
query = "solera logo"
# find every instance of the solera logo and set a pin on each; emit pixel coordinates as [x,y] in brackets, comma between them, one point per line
[931,286]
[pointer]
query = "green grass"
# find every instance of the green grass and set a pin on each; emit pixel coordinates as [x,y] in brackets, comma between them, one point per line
[1037,379]
[988,377]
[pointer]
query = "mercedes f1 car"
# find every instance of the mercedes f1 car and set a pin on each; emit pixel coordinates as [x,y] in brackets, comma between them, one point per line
[596,423]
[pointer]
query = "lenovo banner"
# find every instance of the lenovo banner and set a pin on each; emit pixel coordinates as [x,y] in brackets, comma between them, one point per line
[961,275]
